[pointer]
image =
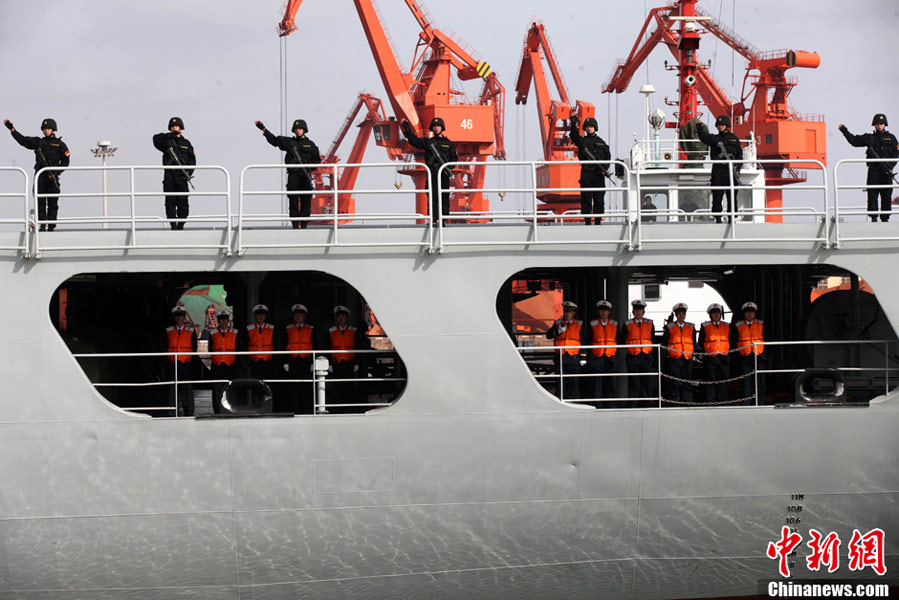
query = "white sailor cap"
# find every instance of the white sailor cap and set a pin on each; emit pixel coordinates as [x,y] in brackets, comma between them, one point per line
[299,307]
[750,306]
[340,308]
[638,303]
[260,308]
[715,306]
[179,308]
[223,313]
[679,306]
[604,304]
[569,305]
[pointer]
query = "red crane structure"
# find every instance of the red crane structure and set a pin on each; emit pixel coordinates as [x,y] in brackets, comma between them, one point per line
[553,115]
[426,91]
[324,178]
[781,133]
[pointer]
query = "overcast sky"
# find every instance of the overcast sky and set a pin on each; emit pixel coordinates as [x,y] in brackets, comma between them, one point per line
[117,70]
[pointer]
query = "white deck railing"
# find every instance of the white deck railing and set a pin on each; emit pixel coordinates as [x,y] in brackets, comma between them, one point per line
[826,218]
[20,223]
[659,374]
[319,384]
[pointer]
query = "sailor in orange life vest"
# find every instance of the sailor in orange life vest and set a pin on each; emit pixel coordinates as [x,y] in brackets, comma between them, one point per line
[566,334]
[181,337]
[261,337]
[342,336]
[679,337]
[638,359]
[714,340]
[604,331]
[224,366]
[745,332]
[300,336]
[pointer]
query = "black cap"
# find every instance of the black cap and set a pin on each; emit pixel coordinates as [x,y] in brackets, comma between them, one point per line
[176,121]
[436,121]
[48,124]
[300,124]
[722,120]
[879,118]
[590,122]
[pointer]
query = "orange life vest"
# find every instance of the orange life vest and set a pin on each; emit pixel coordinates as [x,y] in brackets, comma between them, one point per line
[180,341]
[639,334]
[717,337]
[299,337]
[571,336]
[264,340]
[604,334]
[343,340]
[748,333]
[680,340]
[223,341]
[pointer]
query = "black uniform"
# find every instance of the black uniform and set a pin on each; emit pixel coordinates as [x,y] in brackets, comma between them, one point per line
[720,146]
[297,150]
[591,147]
[174,180]
[438,151]
[55,154]
[880,144]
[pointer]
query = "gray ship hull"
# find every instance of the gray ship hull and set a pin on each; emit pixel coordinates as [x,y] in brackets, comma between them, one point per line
[476,482]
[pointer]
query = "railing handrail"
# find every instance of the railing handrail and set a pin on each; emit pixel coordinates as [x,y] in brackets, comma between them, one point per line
[25,246]
[133,194]
[630,215]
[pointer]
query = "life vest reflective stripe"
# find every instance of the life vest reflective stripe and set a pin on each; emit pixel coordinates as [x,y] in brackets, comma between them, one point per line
[261,341]
[639,334]
[343,340]
[570,337]
[180,341]
[223,342]
[748,333]
[299,337]
[717,337]
[680,340]
[604,334]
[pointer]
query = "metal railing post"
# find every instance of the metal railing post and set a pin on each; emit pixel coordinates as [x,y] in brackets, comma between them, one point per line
[37,225]
[534,198]
[133,208]
[733,200]
[659,373]
[229,233]
[335,202]
[886,370]
[177,395]
[639,226]
[755,370]
[561,376]
[836,205]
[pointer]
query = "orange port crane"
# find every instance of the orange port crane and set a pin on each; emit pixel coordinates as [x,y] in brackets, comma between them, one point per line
[324,178]
[553,115]
[426,91]
[781,134]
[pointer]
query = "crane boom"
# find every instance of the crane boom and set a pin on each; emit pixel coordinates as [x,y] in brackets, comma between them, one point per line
[553,116]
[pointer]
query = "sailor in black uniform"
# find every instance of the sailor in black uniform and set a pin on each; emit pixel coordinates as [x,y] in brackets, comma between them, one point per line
[298,150]
[724,146]
[591,147]
[439,150]
[881,144]
[49,151]
[176,151]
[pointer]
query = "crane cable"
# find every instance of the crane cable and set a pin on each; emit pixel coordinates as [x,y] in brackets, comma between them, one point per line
[282,99]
